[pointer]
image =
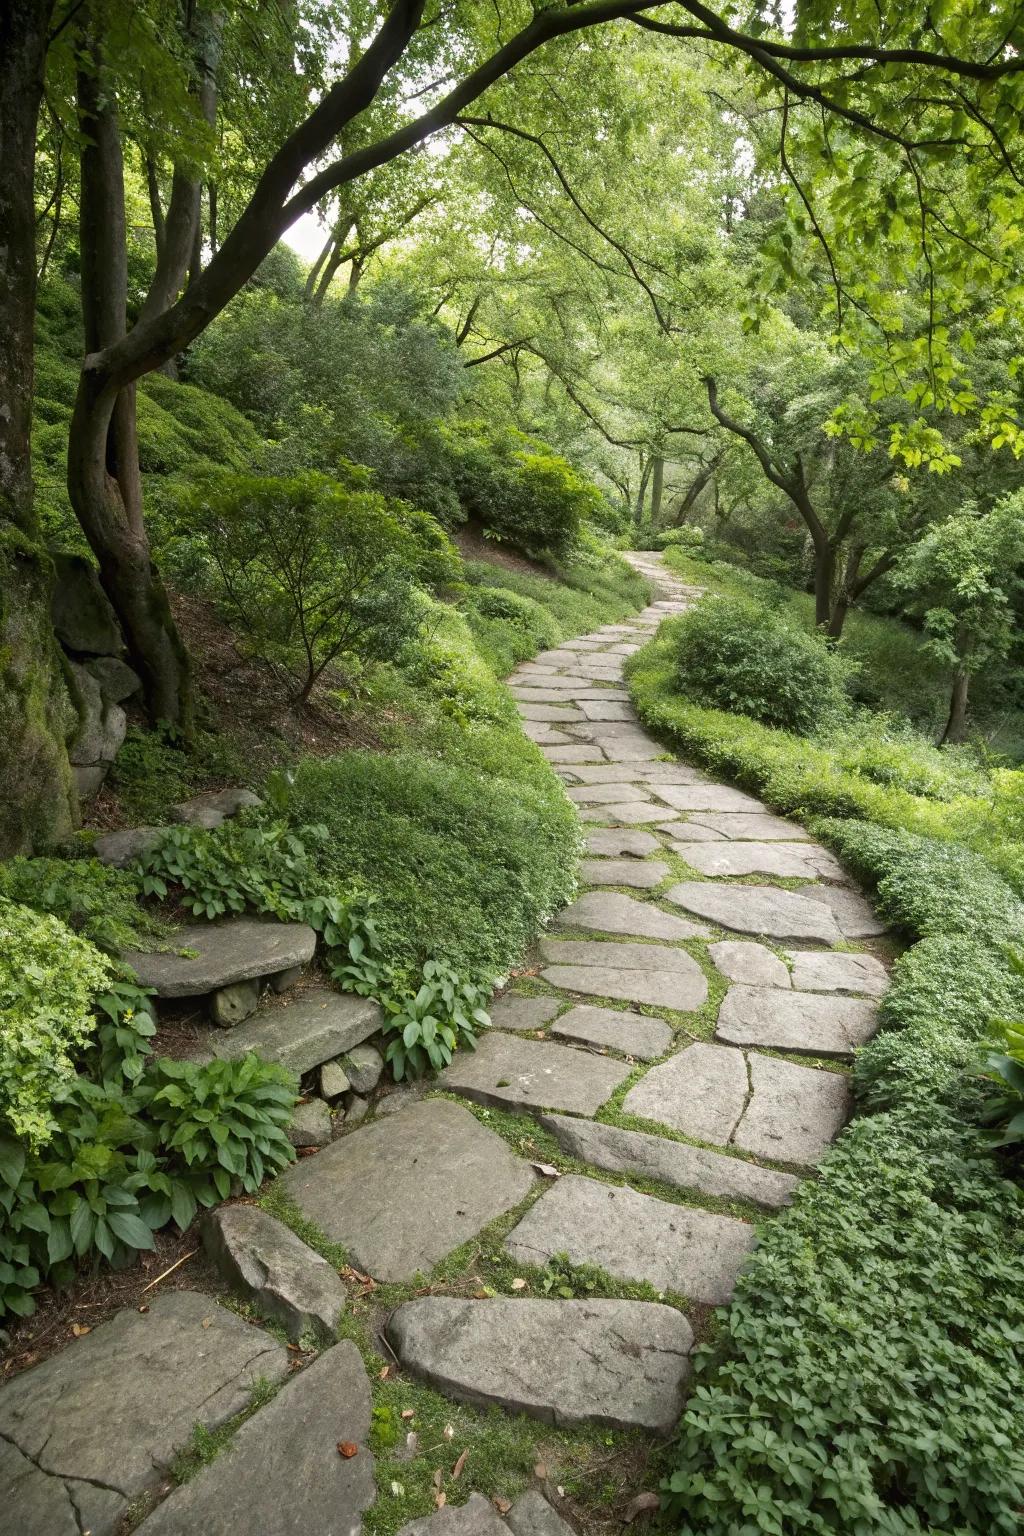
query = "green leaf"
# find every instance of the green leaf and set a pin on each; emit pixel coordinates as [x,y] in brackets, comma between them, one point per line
[130,1229]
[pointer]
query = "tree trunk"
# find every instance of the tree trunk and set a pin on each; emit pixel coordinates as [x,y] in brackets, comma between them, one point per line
[641,495]
[824,576]
[657,489]
[844,596]
[37,803]
[956,724]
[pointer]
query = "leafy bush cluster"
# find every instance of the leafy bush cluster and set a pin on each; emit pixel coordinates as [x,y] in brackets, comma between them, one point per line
[520,492]
[100,903]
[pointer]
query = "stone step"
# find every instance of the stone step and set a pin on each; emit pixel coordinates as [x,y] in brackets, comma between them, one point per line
[286,1280]
[220,954]
[634,1237]
[300,1032]
[800,861]
[808,1023]
[618,1363]
[512,1073]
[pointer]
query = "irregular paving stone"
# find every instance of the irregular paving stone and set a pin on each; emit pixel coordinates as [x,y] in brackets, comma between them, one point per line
[631,1033]
[524,695]
[400,1193]
[609,843]
[767,909]
[637,749]
[546,735]
[806,1022]
[619,1363]
[532,1515]
[120,849]
[753,964]
[575,754]
[523,1012]
[643,876]
[624,957]
[599,709]
[825,971]
[659,989]
[802,861]
[303,1032]
[706,797]
[311,1124]
[691,830]
[214,807]
[98,1421]
[641,773]
[363,1067]
[604,794]
[231,1004]
[282,1474]
[852,911]
[549,712]
[640,1155]
[634,1237]
[614,912]
[286,1280]
[356,1110]
[794,1112]
[762,827]
[700,1091]
[236,950]
[333,1080]
[510,1072]
[477,1517]
[633,812]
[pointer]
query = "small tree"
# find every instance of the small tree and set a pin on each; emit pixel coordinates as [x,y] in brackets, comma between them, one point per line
[962,576]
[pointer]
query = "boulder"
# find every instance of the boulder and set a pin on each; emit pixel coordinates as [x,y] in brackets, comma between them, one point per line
[101,727]
[333,1080]
[115,677]
[363,1068]
[301,1033]
[311,1124]
[120,849]
[231,1004]
[213,807]
[286,1280]
[83,618]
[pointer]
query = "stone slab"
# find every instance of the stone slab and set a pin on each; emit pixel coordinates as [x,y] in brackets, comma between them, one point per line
[622,750]
[544,734]
[477,1517]
[853,912]
[707,797]
[288,1282]
[611,1362]
[121,849]
[801,861]
[614,842]
[281,1474]
[606,794]
[400,1193]
[98,1422]
[523,1012]
[674,989]
[642,773]
[551,712]
[638,1154]
[818,970]
[752,964]
[532,1515]
[599,709]
[300,1033]
[625,957]
[608,1028]
[237,950]
[795,1113]
[634,1237]
[574,754]
[700,1091]
[760,827]
[615,912]
[642,875]
[513,1073]
[690,829]
[809,1023]
[311,1124]
[632,813]
[762,909]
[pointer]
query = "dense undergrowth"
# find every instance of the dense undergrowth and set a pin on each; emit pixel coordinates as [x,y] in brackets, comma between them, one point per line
[866,1378]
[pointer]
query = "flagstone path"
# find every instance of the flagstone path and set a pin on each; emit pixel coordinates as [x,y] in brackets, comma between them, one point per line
[684,1037]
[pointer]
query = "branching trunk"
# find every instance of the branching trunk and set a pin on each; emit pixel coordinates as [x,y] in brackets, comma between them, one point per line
[955,729]
[37,803]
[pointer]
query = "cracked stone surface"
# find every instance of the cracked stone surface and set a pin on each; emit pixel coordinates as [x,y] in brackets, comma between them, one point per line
[639,773]
[634,1237]
[283,1464]
[853,913]
[400,1193]
[821,971]
[757,827]
[626,957]
[631,1033]
[700,1091]
[754,964]
[523,1012]
[220,953]
[807,1022]
[599,709]
[641,874]
[614,842]
[606,794]
[300,1033]
[632,813]
[641,1155]
[549,712]
[615,912]
[795,1113]
[765,909]
[577,754]
[477,1517]
[532,1515]
[706,797]
[513,1073]
[619,1363]
[802,861]
[93,1426]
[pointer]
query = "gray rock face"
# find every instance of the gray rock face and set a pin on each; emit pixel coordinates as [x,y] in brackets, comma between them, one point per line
[286,979]
[794,1112]
[282,1475]
[513,1073]
[634,1237]
[802,861]
[631,1033]
[640,1155]
[532,1515]
[700,1091]
[753,964]
[402,1192]
[614,912]
[609,843]
[213,807]
[630,813]
[115,677]
[363,1067]
[824,971]
[759,826]
[120,849]
[286,1280]
[852,911]
[311,1124]
[101,727]
[642,874]
[236,950]
[98,1421]
[303,1032]
[477,1517]
[706,797]
[806,1022]
[82,616]
[512,1012]
[333,1080]
[767,909]
[619,1363]
[231,1004]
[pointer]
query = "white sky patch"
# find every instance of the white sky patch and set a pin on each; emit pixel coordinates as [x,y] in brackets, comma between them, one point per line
[306,237]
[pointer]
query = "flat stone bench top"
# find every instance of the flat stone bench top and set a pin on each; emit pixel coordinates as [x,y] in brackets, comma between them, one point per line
[238,949]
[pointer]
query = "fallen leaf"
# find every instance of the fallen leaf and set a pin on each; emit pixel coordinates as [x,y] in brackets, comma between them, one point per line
[297,1348]
[80,1330]
[547,1170]
[438,1477]
[482,1294]
[408,1413]
[385,1373]
[307,1151]
[448,1432]
[540,1471]
[457,1469]
[518,1284]
[207,1322]
[144,1307]
[642,1504]
[440,1500]
[348,1449]
[502,1505]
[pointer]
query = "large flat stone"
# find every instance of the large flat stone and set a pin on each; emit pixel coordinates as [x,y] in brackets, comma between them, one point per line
[853,912]
[614,842]
[477,1517]
[794,1112]
[575,754]
[302,1032]
[632,813]
[706,797]
[818,970]
[599,709]
[523,1012]
[619,1363]
[607,1028]
[605,794]
[764,909]
[640,773]
[806,1022]
[97,1423]
[641,874]
[760,827]
[634,1237]
[700,1091]
[286,1279]
[626,957]
[236,950]
[753,964]
[544,734]
[121,849]
[551,712]
[676,989]
[638,1154]
[513,1073]
[532,1515]
[801,861]
[281,1474]
[615,912]
[400,1193]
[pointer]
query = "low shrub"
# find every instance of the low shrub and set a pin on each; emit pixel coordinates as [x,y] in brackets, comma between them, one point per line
[100,903]
[519,491]
[509,628]
[734,654]
[1004,1066]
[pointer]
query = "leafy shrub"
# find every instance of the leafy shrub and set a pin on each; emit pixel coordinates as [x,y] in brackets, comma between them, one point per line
[736,655]
[446,1012]
[520,492]
[689,537]
[100,903]
[264,867]
[1005,1067]
[509,628]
